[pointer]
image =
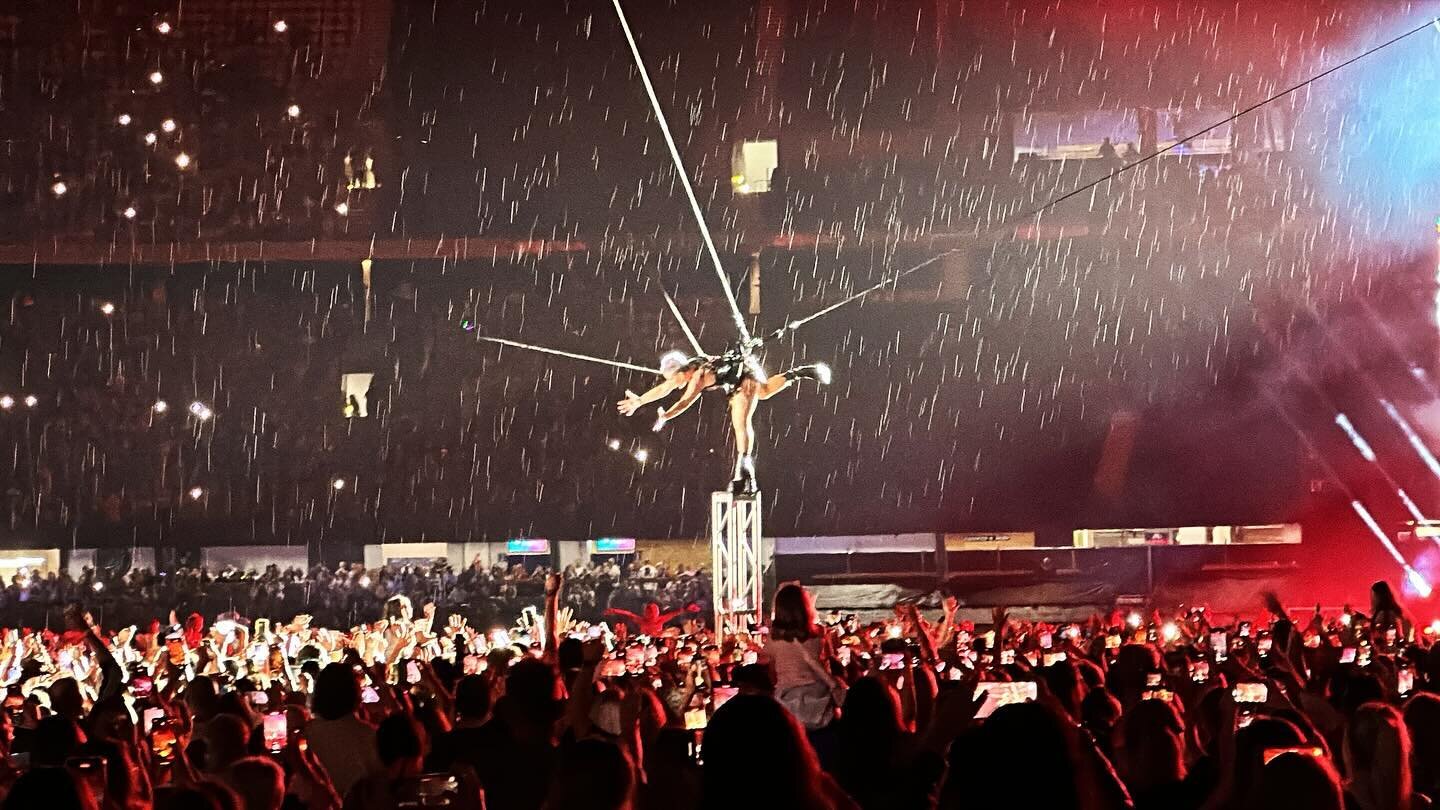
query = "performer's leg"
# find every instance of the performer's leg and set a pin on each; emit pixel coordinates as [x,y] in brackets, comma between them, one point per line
[742,423]
[773,386]
[818,372]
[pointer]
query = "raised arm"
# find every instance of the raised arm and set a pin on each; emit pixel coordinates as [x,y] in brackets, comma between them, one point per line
[623,614]
[553,584]
[112,678]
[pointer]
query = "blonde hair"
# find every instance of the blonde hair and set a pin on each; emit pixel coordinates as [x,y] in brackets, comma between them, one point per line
[1377,751]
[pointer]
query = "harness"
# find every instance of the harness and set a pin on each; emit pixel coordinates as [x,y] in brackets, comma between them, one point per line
[730,369]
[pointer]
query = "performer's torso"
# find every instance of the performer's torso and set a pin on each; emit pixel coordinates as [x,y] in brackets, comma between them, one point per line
[729,369]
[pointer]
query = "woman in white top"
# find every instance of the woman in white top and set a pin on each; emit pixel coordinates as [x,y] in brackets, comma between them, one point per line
[799,654]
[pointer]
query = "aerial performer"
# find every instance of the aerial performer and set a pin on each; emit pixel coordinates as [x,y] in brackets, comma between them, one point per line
[736,373]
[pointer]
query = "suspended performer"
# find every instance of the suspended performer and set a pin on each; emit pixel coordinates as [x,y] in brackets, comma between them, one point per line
[737,375]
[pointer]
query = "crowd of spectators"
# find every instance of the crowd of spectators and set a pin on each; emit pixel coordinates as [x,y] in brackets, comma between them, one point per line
[1273,709]
[484,594]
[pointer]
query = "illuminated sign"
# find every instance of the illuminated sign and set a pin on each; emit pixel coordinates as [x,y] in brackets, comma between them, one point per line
[519,547]
[615,545]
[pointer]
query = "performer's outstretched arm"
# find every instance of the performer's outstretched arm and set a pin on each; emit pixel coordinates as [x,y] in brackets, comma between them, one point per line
[693,389]
[633,402]
[624,615]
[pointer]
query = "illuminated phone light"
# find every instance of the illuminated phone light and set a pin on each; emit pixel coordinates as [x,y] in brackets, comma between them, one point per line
[156,77]
[1170,631]
[1134,620]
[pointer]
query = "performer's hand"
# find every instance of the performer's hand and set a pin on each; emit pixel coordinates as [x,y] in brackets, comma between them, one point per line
[660,421]
[630,404]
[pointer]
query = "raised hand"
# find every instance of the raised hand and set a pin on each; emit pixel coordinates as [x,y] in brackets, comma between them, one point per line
[630,404]
[456,624]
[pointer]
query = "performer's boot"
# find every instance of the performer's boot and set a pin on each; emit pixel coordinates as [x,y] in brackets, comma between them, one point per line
[744,483]
[819,372]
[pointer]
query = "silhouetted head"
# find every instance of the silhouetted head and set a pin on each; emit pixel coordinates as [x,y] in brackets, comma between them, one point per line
[754,735]
[1152,745]
[472,698]
[400,743]
[259,782]
[1377,756]
[51,788]
[56,739]
[1047,745]
[872,714]
[1422,717]
[1251,743]
[598,776]
[1298,780]
[337,692]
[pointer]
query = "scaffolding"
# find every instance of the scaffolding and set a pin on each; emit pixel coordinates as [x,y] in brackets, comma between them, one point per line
[738,561]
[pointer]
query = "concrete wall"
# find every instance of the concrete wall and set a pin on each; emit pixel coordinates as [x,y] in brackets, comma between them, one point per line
[378,554]
[33,560]
[255,558]
[79,558]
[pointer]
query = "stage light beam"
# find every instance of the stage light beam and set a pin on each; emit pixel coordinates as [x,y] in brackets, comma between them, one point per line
[1355,438]
[1414,438]
[1415,578]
